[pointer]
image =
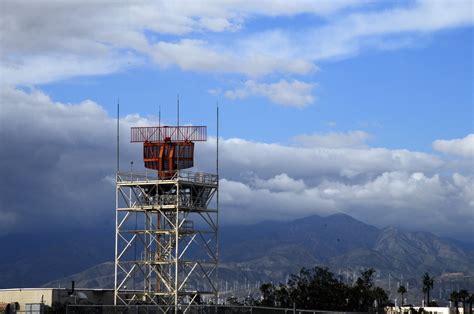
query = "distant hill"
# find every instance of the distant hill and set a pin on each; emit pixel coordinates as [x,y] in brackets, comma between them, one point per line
[321,237]
[30,260]
[266,251]
[342,241]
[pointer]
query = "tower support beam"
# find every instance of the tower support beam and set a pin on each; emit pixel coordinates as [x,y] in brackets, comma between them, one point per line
[166,239]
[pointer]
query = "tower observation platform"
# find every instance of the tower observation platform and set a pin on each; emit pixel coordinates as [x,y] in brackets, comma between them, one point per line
[166,248]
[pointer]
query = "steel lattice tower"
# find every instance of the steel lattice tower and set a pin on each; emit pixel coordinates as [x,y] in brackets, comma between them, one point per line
[166,248]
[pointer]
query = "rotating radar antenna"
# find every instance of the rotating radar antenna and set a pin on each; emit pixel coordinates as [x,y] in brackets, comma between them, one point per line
[168,148]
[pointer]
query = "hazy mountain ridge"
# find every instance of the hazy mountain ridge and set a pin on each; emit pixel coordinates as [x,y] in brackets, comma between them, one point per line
[324,237]
[342,242]
[29,260]
[267,251]
[423,251]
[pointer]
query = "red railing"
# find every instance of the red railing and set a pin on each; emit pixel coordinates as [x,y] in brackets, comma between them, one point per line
[173,133]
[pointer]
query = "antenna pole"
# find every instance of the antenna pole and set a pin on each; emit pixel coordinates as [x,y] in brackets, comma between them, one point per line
[217,145]
[159,122]
[217,203]
[118,135]
[177,149]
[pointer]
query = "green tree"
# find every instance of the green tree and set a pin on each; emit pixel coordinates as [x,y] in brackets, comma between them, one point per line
[380,296]
[471,300]
[362,291]
[282,297]
[463,296]
[454,297]
[402,290]
[428,283]
[318,288]
[268,294]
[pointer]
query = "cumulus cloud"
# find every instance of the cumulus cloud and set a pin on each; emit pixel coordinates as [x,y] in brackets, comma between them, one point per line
[460,147]
[281,182]
[58,163]
[412,200]
[294,93]
[314,163]
[114,36]
[57,160]
[198,55]
[120,34]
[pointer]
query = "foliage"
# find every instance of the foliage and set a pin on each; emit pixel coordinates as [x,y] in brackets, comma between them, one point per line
[463,296]
[428,283]
[454,297]
[402,290]
[232,301]
[268,294]
[318,288]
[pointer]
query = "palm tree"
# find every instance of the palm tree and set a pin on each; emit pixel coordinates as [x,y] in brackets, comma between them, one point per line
[471,300]
[454,297]
[463,296]
[428,283]
[402,290]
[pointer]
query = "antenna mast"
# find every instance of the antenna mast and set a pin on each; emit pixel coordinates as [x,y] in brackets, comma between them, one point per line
[177,148]
[217,149]
[118,135]
[217,203]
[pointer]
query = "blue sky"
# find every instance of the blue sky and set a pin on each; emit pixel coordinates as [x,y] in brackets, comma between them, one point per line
[405,98]
[364,108]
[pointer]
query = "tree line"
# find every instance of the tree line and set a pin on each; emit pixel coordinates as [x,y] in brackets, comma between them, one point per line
[318,288]
[462,296]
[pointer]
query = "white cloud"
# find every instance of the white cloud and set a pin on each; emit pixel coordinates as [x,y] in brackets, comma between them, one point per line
[313,163]
[357,31]
[59,155]
[422,16]
[199,55]
[349,34]
[293,94]
[461,147]
[281,182]
[67,44]
[117,35]
[63,155]
[333,139]
[409,200]
[44,69]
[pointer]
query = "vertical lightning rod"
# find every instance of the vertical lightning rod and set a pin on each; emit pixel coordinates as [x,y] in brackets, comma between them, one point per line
[177,109]
[159,122]
[176,147]
[118,135]
[217,203]
[116,203]
[217,149]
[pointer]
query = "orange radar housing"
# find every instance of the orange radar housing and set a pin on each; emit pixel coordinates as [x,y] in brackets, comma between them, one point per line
[168,148]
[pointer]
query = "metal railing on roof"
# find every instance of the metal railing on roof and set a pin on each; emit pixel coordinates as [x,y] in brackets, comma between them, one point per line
[178,175]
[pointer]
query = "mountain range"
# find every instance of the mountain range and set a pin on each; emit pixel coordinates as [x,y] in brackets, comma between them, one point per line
[267,251]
